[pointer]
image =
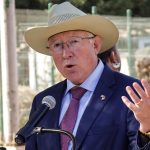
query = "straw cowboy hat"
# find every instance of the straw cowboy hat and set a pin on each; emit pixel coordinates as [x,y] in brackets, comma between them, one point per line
[65,17]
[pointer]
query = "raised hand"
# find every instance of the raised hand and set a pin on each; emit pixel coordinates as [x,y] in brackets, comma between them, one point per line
[140,104]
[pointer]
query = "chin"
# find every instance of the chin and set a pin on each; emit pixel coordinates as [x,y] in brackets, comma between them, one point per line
[74,77]
[76,81]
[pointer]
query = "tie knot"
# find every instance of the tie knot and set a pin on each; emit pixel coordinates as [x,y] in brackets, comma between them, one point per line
[77,92]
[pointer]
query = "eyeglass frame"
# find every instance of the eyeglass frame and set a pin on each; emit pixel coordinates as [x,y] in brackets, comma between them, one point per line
[68,42]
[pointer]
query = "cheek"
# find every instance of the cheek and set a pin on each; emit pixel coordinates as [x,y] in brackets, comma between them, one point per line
[92,55]
[88,60]
[93,49]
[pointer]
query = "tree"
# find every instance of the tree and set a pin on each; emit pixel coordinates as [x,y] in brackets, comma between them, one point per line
[32,4]
[9,70]
[107,7]
[115,7]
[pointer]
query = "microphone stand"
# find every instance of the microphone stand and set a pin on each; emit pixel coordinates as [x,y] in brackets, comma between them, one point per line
[43,130]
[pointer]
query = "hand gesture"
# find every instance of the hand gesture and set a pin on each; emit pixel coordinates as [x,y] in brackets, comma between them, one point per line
[140,104]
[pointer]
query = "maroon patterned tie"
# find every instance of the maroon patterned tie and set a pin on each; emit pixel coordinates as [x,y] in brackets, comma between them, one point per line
[70,117]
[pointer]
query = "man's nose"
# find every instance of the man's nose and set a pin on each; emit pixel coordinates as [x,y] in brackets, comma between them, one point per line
[66,44]
[66,50]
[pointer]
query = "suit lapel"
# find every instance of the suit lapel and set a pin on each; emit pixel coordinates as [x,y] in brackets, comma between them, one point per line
[57,92]
[101,96]
[58,96]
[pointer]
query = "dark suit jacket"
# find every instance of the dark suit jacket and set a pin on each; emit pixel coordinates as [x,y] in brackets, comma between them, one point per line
[105,125]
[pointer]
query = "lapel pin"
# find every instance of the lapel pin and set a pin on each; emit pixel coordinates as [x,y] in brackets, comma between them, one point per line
[102,97]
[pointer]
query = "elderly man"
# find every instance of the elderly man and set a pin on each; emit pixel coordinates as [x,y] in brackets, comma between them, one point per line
[88,101]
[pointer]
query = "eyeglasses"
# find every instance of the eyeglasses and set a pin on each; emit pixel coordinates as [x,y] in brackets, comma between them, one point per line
[73,42]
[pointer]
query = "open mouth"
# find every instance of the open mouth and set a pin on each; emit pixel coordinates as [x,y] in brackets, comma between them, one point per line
[69,66]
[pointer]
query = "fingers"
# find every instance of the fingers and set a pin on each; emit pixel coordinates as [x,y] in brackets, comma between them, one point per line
[139,96]
[139,90]
[140,104]
[132,94]
[129,104]
[146,87]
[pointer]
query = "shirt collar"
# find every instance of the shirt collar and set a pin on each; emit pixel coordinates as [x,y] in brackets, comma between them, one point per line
[92,80]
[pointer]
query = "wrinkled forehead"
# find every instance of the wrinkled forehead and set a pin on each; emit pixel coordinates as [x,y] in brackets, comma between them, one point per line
[78,33]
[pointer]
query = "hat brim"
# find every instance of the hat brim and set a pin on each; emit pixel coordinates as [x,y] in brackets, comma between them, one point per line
[37,37]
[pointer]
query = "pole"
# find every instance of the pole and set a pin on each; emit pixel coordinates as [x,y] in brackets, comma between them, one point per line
[4,71]
[52,63]
[12,68]
[129,44]
[94,10]
[1,112]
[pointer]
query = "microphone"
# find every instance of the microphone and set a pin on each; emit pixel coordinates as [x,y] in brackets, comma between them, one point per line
[48,103]
[42,130]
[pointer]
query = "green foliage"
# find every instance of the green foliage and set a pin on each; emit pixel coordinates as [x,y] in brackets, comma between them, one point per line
[32,4]
[107,7]
[78,3]
[144,7]
[114,7]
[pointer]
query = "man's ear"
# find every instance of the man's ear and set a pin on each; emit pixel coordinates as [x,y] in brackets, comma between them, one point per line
[97,44]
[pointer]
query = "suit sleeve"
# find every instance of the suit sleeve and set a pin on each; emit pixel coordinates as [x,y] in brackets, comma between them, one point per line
[143,141]
[136,140]
[132,131]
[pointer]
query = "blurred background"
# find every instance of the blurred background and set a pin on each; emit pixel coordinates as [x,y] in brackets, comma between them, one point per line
[23,72]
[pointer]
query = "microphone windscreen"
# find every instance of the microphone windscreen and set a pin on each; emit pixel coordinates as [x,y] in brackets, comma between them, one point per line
[49,101]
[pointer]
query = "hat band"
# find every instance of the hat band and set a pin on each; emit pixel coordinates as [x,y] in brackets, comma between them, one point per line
[61,18]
